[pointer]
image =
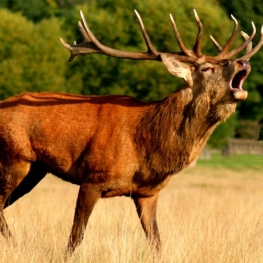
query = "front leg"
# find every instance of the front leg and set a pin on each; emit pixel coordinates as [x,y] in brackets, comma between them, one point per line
[87,198]
[146,209]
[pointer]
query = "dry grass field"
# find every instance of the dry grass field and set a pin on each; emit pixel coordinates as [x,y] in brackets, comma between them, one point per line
[209,213]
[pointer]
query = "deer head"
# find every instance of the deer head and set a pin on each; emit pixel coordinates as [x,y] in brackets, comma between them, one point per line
[194,67]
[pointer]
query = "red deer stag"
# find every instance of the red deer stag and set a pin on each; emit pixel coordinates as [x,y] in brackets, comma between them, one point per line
[118,145]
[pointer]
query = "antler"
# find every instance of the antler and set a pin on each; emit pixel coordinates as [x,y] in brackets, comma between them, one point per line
[224,50]
[196,52]
[247,44]
[92,45]
[251,51]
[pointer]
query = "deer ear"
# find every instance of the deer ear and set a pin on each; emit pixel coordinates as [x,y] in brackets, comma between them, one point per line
[177,68]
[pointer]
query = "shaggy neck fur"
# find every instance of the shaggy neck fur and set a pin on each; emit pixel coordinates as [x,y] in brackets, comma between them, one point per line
[173,133]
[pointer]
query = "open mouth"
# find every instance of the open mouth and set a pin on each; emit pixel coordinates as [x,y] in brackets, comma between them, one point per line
[238,80]
[236,85]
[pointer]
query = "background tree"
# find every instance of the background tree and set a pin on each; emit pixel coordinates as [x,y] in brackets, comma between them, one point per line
[30,55]
[37,10]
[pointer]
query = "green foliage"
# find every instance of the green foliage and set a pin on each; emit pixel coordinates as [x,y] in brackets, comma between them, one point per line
[260,136]
[37,10]
[247,129]
[31,58]
[223,132]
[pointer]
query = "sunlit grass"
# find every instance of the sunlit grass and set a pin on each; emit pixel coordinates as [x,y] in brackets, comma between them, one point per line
[206,214]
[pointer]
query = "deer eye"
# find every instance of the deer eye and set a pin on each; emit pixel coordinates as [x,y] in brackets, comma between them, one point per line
[208,69]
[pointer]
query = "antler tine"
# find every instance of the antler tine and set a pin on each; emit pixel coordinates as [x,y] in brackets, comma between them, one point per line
[231,39]
[84,33]
[145,35]
[179,39]
[224,50]
[197,47]
[87,47]
[240,48]
[249,54]
[105,50]
[246,36]
[77,49]
[216,43]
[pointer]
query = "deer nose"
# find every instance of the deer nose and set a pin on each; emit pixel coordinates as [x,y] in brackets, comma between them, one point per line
[244,64]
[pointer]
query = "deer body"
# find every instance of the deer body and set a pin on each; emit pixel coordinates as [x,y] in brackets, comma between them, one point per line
[116,137]
[118,145]
[99,141]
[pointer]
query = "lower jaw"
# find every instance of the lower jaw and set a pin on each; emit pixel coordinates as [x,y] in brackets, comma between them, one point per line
[240,94]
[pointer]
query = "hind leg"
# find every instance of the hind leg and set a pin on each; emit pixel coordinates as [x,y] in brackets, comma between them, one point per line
[10,177]
[36,174]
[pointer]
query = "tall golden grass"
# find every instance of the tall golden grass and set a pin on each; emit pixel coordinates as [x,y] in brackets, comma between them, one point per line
[204,215]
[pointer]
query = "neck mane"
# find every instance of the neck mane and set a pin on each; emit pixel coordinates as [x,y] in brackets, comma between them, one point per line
[175,130]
